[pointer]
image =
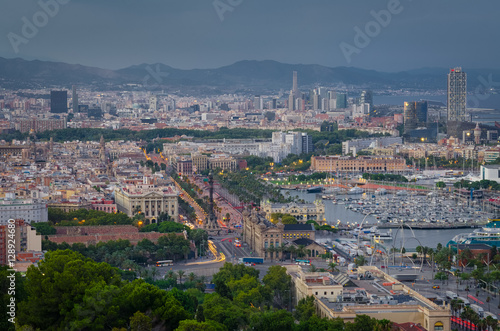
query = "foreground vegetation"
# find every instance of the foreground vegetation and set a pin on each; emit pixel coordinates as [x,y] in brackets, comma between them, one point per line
[70,291]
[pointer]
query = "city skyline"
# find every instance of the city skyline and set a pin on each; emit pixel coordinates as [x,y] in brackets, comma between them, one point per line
[336,32]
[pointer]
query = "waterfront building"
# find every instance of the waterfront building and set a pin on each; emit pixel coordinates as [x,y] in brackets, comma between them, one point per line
[361,164]
[318,284]
[303,212]
[490,172]
[367,295]
[260,234]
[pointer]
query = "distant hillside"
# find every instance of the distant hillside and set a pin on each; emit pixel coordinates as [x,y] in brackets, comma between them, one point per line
[242,75]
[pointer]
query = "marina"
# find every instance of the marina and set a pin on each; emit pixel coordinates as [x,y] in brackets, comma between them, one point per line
[442,218]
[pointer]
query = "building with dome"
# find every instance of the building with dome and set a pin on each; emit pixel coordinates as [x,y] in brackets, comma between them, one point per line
[261,234]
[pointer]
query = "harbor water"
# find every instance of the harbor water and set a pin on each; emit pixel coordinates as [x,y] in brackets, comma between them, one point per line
[338,212]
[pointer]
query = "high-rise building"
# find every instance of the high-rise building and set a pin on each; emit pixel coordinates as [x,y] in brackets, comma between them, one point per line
[291,101]
[421,108]
[316,101]
[258,102]
[366,97]
[274,104]
[75,100]
[410,116]
[295,87]
[341,100]
[153,103]
[307,143]
[58,101]
[457,95]
[415,114]
[294,93]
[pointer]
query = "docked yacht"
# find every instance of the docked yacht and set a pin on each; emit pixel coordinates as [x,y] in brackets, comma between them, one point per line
[355,190]
[489,234]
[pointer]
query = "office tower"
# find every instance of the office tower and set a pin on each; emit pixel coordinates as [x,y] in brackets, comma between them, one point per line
[307,143]
[366,97]
[291,101]
[341,100]
[325,104]
[421,109]
[316,101]
[258,102]
[58,101]
[75,100]
[410,116]
[323,92]
[295,87]
[274,104]
[457,95]
[153,103]
[332,100]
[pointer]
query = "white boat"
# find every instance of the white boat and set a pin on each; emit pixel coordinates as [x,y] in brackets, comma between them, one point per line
[381,191]
[355,190]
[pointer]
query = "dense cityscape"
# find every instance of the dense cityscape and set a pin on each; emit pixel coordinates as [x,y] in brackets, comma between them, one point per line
[254,196]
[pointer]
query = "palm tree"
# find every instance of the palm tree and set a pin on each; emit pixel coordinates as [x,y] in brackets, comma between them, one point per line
[292,249]
[203,279]
[332,266]
[313,268]
[491,322]
[191,277]
[154,272]
[360,260]
[181,273]
[271,250]
[301,251]
[170,274]
[481,324]
[384,325]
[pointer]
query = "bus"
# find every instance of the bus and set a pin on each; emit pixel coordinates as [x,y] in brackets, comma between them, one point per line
[237,243]
[303,262]
[165,263]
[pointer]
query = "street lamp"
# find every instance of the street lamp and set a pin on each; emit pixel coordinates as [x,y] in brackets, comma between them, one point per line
[361,225]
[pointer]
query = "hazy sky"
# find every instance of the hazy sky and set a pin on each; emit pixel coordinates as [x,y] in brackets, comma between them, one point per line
[191,34]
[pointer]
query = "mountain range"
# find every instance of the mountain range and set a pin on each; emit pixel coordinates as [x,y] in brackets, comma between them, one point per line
[245,75]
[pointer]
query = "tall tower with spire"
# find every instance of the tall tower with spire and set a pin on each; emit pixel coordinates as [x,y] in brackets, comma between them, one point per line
[295,87]
[294,93]
[211,224]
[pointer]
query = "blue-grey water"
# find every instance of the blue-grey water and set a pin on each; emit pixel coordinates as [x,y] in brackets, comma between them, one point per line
[336,212]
